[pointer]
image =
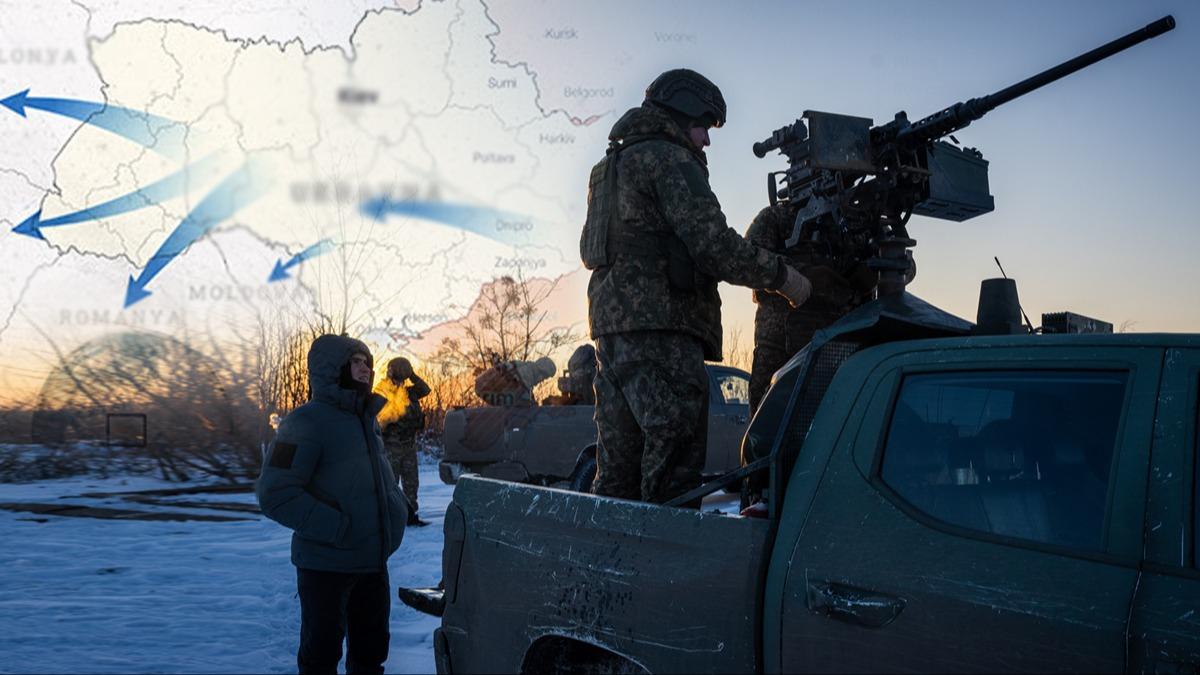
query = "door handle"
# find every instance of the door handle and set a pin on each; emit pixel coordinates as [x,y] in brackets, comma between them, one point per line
[854,605]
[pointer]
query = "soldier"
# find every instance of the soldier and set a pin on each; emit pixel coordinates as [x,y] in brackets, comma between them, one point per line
[401,419]
[657,244]
[576,385]
[840,283]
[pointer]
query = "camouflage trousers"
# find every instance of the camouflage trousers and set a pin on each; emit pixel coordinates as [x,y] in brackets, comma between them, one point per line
[402,455]
[651,414]
[778,335]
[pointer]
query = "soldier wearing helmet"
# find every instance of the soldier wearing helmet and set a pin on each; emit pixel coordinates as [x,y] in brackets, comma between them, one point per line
[657,244]
[840,282]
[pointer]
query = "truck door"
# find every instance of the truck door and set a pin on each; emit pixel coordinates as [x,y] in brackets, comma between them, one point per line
[728,415]
[1165,630]
[981,511]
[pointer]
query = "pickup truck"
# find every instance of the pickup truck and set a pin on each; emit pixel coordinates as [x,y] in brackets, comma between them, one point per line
[550,445]
[937,501]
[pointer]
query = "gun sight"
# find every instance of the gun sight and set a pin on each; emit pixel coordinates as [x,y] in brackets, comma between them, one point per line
[783,136]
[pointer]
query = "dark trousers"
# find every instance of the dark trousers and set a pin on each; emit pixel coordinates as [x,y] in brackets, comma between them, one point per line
[334,606]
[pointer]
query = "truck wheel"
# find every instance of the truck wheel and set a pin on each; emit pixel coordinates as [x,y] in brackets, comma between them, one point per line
[581,480]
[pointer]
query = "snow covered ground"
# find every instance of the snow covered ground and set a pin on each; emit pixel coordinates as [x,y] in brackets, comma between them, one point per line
[85,595]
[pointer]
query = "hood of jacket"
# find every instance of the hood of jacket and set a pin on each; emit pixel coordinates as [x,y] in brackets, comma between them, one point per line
[648,120]
[326,358]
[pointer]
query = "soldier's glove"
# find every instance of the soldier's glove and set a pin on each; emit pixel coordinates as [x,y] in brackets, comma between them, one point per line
[796,288]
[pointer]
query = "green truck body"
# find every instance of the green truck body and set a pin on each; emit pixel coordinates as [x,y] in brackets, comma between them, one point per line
[963,503]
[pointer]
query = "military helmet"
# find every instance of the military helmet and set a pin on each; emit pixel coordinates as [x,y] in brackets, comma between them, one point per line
[583,359]
[689,93]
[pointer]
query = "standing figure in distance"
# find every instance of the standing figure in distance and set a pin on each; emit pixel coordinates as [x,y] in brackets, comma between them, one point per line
[401,420]
[657,244]
[326,478]
[576,386]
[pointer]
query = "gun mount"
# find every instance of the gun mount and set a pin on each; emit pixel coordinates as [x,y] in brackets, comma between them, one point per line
[856,185]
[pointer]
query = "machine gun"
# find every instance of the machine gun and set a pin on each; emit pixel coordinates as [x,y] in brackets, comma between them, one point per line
[856,185]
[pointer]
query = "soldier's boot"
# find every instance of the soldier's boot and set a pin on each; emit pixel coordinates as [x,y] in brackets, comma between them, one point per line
[413,519]
[408,473]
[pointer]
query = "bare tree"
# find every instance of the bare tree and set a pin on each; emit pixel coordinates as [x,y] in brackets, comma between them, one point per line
[283,375]
[737,355]
[197,413]
[506,323]
[449,389]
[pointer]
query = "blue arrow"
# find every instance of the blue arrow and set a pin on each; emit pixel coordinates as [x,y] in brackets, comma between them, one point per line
[320,248]
[238,189]
[501,226]
[154,193]
[139,127]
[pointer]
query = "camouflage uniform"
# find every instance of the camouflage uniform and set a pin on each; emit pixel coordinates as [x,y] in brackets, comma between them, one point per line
[651,414]
[400,429]
[401,447]
[839,285]
[653,325]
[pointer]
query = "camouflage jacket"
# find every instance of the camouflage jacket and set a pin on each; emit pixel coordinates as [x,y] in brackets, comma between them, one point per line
[402,413]
[662,191]
[839,285]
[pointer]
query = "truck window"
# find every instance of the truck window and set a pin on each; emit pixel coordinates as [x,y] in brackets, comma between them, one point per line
[1022,454]
[735,389]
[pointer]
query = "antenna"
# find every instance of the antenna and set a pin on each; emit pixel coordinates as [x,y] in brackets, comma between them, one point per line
[1028,323]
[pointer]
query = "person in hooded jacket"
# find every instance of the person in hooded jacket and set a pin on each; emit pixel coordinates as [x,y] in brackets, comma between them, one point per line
[326,477]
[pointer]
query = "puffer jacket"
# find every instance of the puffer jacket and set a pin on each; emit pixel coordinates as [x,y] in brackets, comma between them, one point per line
[326,476]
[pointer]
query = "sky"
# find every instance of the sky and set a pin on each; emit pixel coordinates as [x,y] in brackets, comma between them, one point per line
[1095,204]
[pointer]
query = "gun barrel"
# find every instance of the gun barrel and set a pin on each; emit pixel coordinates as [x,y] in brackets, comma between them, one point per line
[1080,62]
[961,114]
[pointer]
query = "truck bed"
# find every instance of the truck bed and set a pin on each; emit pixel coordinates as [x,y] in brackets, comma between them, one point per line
[578,570]
[519,443]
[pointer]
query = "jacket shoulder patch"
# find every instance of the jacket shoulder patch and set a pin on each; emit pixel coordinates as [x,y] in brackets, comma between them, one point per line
[282,455]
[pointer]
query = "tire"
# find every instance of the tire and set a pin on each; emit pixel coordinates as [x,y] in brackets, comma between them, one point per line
[585,474]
